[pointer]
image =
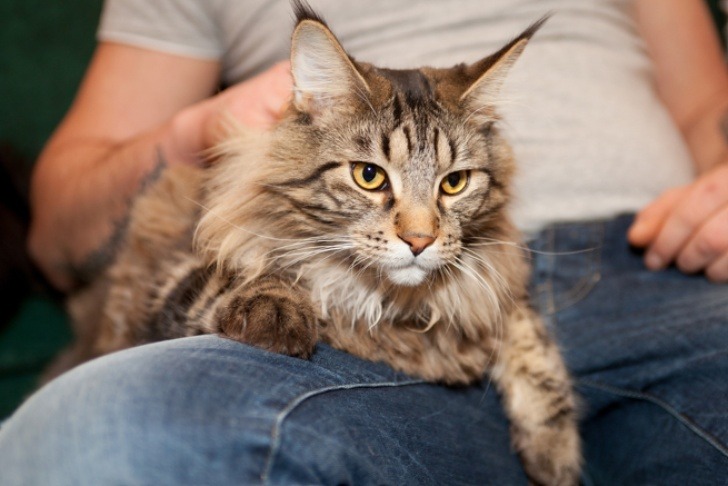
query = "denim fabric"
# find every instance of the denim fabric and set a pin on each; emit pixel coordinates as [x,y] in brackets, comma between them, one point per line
[649,351]
[206,410]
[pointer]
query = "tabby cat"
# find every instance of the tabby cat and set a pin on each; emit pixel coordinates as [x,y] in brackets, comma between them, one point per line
[372,217]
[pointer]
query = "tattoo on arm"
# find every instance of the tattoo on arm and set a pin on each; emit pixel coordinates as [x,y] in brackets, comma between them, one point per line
[723,124]
[104,255]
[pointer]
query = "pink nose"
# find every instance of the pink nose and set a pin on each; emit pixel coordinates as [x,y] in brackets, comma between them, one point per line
[417,242]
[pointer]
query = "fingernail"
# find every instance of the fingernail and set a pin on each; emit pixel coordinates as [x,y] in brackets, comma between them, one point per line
[653,261]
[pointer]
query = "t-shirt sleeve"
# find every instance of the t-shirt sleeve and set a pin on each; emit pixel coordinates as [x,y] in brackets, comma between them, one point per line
[182,27]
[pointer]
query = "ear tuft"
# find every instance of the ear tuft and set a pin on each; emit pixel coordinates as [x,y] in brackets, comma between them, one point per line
[491,71]
[303,11]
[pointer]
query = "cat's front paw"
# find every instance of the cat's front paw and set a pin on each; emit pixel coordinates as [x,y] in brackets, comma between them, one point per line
[275,319]
[551,456]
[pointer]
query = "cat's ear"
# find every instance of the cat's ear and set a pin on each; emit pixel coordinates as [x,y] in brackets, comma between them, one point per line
[490,72]
[324,76]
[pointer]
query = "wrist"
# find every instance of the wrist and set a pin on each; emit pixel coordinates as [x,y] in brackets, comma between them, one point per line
[707,134]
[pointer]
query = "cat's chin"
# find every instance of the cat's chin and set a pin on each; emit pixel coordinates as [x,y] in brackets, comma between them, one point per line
[408,276]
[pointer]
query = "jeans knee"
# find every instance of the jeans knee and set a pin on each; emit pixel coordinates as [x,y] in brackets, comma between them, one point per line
[142,416]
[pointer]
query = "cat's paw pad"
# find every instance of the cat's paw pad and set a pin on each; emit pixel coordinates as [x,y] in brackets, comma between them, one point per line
[552,456]
[275,320]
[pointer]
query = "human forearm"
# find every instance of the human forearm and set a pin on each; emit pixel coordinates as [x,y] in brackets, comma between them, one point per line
[85,181]
[690,72]
[707,134]
[81,192]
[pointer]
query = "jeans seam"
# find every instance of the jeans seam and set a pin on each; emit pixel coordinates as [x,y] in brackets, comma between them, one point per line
[593,262]
[682,418]
[546,288]
[549,302]
[586,284]
[296,402]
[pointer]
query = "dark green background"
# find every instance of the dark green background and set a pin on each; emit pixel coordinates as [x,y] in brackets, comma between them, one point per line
[45,46]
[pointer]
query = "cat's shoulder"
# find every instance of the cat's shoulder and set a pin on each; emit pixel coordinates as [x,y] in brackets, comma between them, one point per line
[171,204]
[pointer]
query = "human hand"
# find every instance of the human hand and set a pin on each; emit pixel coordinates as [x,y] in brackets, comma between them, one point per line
[256,103]
[688,225]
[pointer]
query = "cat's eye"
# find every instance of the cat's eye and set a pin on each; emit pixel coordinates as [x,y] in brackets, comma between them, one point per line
[368,176]
[455,182]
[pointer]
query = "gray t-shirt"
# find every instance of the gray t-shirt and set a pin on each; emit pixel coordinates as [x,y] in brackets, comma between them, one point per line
[591,136]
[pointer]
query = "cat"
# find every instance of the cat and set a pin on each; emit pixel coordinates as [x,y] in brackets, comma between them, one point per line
[373,217]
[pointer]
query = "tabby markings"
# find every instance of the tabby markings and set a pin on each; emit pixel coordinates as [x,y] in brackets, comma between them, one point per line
[385,146]
[178,301]
[312,177]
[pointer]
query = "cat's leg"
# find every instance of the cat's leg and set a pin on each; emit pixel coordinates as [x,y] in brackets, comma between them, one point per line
[539,401]
[272,314]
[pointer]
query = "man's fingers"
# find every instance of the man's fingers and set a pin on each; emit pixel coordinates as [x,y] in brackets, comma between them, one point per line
[717,271]
[647,225]
[705,199]
[256,103]
[708,245]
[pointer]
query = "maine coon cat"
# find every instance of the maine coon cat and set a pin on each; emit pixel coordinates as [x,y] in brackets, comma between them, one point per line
[372,217]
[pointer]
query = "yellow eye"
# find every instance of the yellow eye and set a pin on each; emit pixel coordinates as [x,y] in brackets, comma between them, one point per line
[368,176]
[455,182]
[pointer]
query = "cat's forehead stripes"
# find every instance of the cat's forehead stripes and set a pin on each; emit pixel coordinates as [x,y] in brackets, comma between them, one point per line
[426,145]
[416,119]
[415,139]
[411,84]
[445,149]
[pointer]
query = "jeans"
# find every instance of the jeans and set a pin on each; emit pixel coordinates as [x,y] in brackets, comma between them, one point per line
[649,352]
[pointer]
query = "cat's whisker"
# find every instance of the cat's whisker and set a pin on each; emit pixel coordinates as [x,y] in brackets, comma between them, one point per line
[302,256]
[316,239]
[497,324]
[494,242]
[482,259]
[296,250]
[429,284]
[301,253]
[490,294]
[226,220]
[367,263]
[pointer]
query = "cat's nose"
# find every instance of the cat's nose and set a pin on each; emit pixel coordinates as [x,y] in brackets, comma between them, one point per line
[417,242]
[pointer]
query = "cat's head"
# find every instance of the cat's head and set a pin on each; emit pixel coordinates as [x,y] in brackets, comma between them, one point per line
[395,170]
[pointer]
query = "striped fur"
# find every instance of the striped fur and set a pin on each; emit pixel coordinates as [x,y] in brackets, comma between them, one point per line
[289,250]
